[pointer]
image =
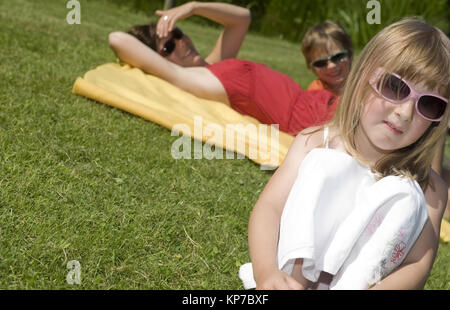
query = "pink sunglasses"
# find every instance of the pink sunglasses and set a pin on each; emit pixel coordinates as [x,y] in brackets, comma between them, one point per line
[396,90]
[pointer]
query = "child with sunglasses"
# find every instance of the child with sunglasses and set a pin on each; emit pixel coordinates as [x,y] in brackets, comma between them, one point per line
[328,52]
[355,204]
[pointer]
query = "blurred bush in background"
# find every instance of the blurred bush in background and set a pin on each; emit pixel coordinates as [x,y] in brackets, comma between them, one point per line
[289,19]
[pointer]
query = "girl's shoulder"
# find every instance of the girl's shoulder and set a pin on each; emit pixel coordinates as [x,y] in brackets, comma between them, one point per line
[307,140]
[310,138]
[321,136]
[317,137]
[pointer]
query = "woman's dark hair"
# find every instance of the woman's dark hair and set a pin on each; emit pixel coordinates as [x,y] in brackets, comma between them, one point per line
[146,34]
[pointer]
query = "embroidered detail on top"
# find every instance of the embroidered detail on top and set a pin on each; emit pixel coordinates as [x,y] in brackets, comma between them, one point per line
[399,251]
[393,253]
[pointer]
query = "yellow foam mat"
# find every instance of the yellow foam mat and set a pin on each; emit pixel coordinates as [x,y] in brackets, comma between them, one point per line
[144,95]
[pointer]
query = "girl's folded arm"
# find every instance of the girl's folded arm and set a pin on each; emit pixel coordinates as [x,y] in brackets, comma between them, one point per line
[415,269]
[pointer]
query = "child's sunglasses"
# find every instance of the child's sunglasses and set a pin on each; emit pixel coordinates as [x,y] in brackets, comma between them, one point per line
[169,46]
[393,88]
[336,58]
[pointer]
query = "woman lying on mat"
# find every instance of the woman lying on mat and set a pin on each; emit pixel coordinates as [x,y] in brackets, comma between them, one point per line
[248,87]
[178,48]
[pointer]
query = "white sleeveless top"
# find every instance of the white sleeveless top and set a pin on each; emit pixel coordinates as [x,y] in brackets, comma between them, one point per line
[341,220]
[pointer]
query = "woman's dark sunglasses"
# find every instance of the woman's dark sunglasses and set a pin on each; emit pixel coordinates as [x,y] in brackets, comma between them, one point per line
[396,90]
[336,58]
[170,44]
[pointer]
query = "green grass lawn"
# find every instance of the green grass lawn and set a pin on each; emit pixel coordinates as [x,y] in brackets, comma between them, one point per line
[82,181]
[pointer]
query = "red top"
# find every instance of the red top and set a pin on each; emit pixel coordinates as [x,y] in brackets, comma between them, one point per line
[273,97]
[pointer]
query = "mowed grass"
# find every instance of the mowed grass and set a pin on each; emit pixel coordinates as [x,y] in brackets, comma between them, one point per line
[82,181]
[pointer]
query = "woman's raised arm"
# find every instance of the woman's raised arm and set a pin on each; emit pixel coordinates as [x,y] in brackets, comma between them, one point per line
[235,19]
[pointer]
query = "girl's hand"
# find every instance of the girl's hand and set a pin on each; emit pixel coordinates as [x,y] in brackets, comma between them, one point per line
[170,17]
[279,280]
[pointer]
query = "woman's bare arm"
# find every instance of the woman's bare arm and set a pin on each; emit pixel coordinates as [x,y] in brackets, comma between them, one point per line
[132,51]
[199,81]
[235,20]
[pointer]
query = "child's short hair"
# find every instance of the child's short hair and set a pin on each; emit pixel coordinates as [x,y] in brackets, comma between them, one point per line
[323,37]
[419,53]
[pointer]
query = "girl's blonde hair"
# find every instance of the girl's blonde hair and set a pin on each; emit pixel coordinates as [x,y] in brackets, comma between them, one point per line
[418,53]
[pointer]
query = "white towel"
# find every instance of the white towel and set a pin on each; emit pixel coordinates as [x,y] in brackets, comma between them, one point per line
[341,220]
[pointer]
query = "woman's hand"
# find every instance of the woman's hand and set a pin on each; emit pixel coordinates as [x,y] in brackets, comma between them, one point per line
[169,18]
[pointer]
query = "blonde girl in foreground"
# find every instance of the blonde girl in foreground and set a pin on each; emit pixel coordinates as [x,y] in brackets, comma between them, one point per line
[355,203]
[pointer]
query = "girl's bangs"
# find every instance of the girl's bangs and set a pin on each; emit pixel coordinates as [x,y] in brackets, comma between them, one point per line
[422,64]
